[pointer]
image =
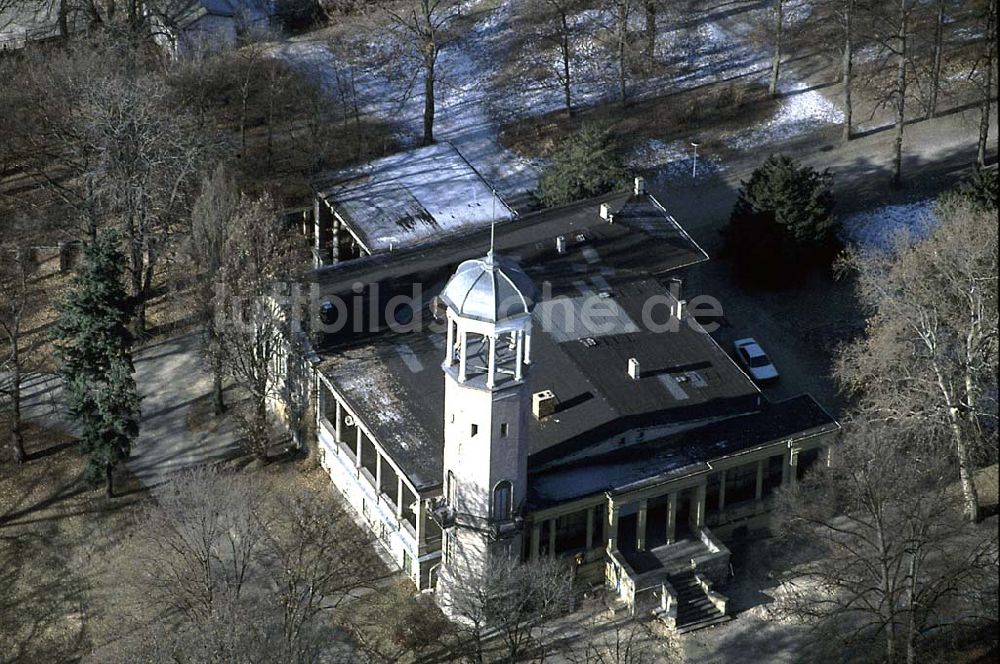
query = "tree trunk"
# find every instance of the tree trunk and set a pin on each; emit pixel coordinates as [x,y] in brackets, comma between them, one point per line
[901,83]
[987,87]
[63,19]
[218,395]
[970,496]
[848,69]
[16,433]
[912,628]
[429,102]
[622,37]
[567,81]
[936,66]
[779,33]
[109,481]
[651,32]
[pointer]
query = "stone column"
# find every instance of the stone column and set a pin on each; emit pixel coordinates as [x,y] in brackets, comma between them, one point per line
[536,538]
[552,538]
[449,358]
[337,426]
[357,449]
[699,506]
[334,239]
[722,491]
[399,497]
[671,517]
[793,467]
[462,352]
[491,363]
[317,234]
[378,473]
[759,489]
[590,527]
[640,530]
[527,348]
[786,467]
[518,355]
[421,524]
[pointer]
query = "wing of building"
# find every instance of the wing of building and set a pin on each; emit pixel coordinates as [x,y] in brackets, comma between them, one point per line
[646,445]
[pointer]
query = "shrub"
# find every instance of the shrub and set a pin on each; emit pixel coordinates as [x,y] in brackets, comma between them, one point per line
[981,191]
[782,223]
[588,163]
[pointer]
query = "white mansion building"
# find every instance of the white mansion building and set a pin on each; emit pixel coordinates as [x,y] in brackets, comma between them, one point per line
[499,414]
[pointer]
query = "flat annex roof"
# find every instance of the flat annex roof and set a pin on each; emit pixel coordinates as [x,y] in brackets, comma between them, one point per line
[411,198]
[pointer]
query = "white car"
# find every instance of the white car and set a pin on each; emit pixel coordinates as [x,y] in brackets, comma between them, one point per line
[755,360]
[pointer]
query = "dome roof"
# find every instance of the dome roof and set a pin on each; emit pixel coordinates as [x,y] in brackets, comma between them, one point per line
[489,289]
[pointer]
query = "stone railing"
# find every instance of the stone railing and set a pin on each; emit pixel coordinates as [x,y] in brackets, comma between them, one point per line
[718,600]
[620,576]
[668,605]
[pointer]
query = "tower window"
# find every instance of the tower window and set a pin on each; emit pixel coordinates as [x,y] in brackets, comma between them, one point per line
[475,429]
[502,498]
[503,429]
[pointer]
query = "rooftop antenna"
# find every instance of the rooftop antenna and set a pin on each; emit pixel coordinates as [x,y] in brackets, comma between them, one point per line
[493,223]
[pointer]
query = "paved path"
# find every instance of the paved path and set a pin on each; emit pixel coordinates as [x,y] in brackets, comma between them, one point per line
[170,379]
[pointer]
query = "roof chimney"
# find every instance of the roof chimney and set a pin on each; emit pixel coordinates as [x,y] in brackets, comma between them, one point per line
[633,368]
[561,244]
[606,211]
[640,186]
[543,404]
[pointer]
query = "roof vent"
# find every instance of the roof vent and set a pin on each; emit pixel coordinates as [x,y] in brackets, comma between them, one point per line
[679,308]
[543,404]
[561,244]
[640,186]
[633,368]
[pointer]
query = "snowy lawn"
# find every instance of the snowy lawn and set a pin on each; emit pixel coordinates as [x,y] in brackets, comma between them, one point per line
[879,229]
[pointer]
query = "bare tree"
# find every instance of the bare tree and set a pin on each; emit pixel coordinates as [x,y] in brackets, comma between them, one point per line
[249,581]
[321,559]
[18,298]
[551,24]
[892,22]
[510,598]
[211,221]
[892,563]
[422,28]
[200,541]
[252,332]
[778,37]
[621,11]
[622,642]
[929,360]
[984,71]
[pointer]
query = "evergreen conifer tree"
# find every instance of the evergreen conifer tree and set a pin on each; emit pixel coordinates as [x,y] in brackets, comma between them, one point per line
[587,164]
[94,347]
[782,223]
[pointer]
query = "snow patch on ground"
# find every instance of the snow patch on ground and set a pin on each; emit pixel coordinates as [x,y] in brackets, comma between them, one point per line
[799,111]
[671,162]
[879,229]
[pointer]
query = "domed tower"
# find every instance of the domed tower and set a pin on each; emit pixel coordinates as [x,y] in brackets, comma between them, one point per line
[489,303]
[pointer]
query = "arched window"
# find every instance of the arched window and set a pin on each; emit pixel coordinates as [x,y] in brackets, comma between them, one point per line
[503,494]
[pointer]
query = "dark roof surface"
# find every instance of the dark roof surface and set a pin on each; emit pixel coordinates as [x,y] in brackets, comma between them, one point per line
[679,453]
[394,381]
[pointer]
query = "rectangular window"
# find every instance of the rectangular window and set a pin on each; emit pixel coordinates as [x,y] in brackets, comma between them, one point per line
[475,429]
[503,430]
[741,484]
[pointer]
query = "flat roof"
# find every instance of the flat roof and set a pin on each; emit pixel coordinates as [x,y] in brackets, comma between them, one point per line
[394,382]
[411,197]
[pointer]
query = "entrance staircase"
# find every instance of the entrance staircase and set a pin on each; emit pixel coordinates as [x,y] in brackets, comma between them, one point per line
[695,609]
